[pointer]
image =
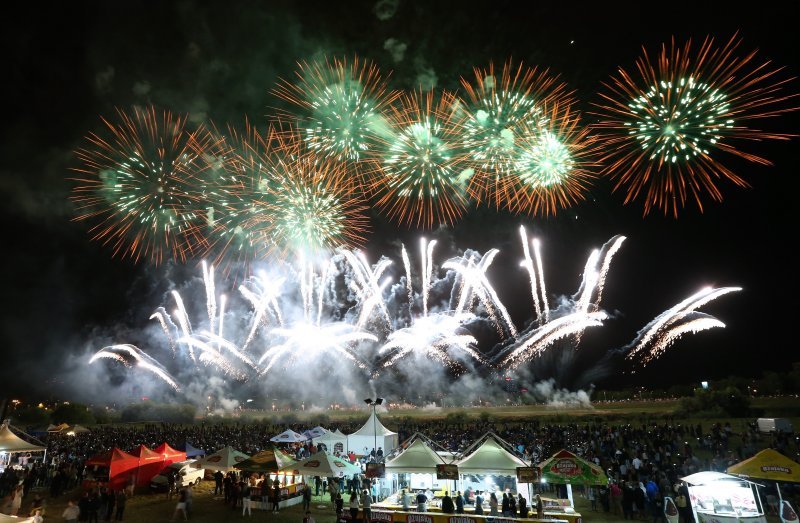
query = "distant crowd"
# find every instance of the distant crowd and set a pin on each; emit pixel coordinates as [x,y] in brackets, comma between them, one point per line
[634,455]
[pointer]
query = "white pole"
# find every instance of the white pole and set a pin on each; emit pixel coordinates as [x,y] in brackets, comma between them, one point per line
[569,495]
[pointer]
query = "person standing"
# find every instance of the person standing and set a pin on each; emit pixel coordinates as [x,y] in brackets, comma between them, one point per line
[504,505]
[16,499]
[218,477]
[448,507]
[246,501]
[512,505]
[71,513]
[339,506]
[317,485]
[180,506]
[522,503]
[493,505]
[122,499]
[539,507]
[459,502]
[307,498]
[592,497]
[405,500]
[422,502]
[353,507]
[478,503]
[366,501]
[276,496]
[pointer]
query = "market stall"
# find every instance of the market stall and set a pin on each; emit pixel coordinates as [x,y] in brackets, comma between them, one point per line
[414,468]
[566,468]
[490,466]
[150,463]
[113,469]
[722,498]
[11,444]
[333,441]
[268,464]
[771,465]
[170,455]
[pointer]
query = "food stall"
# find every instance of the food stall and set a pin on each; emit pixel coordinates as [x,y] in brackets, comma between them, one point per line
[414,469]
[113,469]
[566,468]
[270,463]
[722,498]
[771,465]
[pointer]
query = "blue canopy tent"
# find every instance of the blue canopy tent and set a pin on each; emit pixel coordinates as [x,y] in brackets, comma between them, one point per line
[192,452]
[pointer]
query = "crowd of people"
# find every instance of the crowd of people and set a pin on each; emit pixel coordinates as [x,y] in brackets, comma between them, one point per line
[644,461]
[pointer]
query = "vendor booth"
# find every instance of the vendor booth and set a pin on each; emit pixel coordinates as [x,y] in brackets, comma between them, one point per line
[12,445]
[324,465]
[268,463]
[372,433]
[490,466]
[566,468]
[225,459]
[414,469]
[113,469]
[721,498]
[149,465]
[771,465]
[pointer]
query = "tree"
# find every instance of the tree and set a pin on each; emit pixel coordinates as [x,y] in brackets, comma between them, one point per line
[72,413]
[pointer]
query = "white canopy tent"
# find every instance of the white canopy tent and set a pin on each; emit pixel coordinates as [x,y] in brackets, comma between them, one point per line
[225,459]
[372,433]
[316,432]
[10,443]
[333,441]
[417,458]
[288,436]
[490,458]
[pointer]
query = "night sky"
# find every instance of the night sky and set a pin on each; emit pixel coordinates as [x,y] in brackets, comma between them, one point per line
[67,64]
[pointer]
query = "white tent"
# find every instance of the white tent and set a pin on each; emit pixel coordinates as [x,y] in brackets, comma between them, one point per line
[417,458]
[322,464]
[490,458]
[77,429]
[372,433]
[288,436]
[225,459]
[10,442]
[331,440]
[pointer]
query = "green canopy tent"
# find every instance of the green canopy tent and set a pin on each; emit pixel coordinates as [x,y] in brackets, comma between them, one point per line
[268,461]
[566,468]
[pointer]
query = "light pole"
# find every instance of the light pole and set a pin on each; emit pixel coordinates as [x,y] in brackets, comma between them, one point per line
[374,403]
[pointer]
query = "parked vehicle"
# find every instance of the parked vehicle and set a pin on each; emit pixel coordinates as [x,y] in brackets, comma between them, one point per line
[775,425]
[189,471]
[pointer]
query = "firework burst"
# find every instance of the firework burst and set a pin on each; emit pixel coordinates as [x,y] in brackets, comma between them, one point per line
[501,114]
[238,195]
[664,127]
[422,177]
[553,167]
[139,181]
[341,104]
[313,209]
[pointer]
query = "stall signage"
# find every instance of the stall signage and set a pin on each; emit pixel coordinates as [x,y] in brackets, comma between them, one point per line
[381,516]
[566,467]
[460,519]
[776,468]
[527,474]
[446,471]
[419,518]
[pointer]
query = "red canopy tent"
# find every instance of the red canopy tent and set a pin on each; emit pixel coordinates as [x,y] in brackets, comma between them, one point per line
[150,464]
[112,468]
[169,454]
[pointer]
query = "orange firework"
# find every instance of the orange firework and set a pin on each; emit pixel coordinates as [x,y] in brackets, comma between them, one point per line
[661,128]
[238,186]
[340,109]
[554,168]
[312,208]
[501,114]
[421,180]
[140,182]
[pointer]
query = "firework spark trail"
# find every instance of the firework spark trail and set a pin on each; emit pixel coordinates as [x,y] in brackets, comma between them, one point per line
[689,322]
[540,271]
[211,299]
[433,336]
[476,283]
[540,339]
[426,255]
[140,358]
[166,325]
[209,354]
[407,265]
[211,340]
[222,301]
[306,340]
[616,243]
[264,299]
[183,320]
[367,285]
[668,317]
[323,282]
[527,263]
